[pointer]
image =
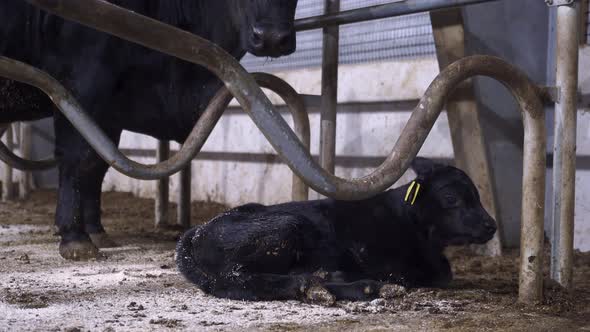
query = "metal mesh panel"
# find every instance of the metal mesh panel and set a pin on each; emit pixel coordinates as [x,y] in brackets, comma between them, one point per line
[391,38]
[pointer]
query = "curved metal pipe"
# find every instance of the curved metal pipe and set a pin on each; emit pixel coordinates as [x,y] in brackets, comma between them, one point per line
[68,105]
[109,151]
[153,34]
[404,151]
[14,161]
[296,105]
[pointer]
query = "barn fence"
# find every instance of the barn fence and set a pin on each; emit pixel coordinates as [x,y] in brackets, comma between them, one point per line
[293,148]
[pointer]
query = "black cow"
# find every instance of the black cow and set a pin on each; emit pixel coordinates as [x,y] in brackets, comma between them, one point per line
[125,86]
[338,249]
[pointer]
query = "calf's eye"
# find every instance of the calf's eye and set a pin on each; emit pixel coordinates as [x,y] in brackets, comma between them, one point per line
[451,201]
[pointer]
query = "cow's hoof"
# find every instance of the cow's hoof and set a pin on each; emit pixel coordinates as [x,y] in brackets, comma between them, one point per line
[320,295]
[78,250]
[102,240]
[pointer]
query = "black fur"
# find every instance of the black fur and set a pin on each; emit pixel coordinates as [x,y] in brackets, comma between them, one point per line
[125,86]
[347,248]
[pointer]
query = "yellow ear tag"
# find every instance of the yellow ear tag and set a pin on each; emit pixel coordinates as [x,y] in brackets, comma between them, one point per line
[412,193]
[416,193]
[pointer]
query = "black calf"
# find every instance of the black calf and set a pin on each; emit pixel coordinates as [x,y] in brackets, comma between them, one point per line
[328,249]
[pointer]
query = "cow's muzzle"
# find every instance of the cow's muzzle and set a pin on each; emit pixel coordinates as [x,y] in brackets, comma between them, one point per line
[272,40]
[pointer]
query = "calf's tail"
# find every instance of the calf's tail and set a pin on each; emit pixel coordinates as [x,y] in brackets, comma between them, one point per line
[186,263]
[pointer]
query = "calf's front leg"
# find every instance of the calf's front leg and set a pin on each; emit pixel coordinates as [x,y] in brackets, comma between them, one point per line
[361,290]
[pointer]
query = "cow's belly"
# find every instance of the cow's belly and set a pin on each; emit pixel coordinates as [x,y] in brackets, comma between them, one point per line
[166,107]
[162,128]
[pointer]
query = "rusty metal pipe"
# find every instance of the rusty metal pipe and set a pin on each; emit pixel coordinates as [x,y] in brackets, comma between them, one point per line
[14,161]
[108,151]
[297,108]
[150,33]
[385,175]
[131,26]
[134,27]
[298,111]
[564,149]
[68,105]
[296,105]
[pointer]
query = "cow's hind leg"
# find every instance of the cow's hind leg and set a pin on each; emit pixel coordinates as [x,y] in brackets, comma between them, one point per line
[250,256]
[233,283]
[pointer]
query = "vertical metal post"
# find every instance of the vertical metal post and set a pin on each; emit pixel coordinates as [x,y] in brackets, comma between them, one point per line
[530,281]
[184,198]
[7,184]
[162,187]
[564,150]
[329,89]
[25,183]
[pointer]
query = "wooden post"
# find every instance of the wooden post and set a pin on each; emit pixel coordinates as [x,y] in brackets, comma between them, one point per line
[462,112]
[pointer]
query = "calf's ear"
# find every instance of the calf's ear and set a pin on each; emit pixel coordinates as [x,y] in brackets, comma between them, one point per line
[424,166]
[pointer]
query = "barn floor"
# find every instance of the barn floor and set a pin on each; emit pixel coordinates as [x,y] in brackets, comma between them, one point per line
[136,286]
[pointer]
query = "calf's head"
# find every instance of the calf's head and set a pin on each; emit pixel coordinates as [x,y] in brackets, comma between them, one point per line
[448,205]
[266,26]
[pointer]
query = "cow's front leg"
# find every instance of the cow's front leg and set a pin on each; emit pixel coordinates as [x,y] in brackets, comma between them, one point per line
[433,271]
[69,217]
[81,172]
[442,273]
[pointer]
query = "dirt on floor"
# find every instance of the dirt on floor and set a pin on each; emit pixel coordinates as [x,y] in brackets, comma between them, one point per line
[136,286]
